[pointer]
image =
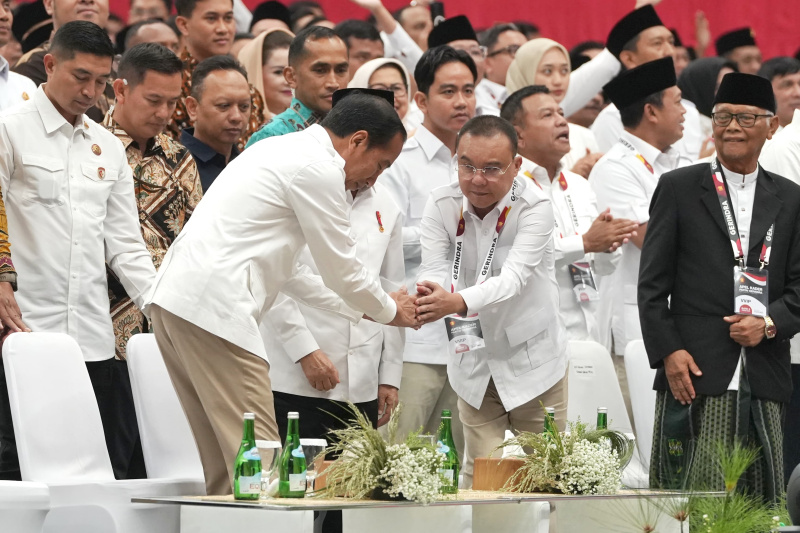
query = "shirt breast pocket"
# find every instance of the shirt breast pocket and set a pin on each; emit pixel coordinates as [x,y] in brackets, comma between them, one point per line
[378,243]
[97,183]
[43,179]
[530,342]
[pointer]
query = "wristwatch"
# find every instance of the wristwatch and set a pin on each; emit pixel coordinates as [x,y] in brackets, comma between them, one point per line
[10,277]
[769,328]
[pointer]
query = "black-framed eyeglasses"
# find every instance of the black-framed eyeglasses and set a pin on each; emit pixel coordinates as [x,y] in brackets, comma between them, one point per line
[398,89]
[745,120]
[510,50]
[469,172]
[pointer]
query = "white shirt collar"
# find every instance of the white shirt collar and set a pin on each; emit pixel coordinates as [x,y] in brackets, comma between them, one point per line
[496,90]
[735,178]
[795,123]
[430,143]
[324,138]
[645,149]
[51,118]
[4,68]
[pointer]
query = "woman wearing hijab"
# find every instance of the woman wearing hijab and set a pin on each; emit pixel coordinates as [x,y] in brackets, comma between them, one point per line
[389,75]
[264,58]
[546,62]
[698,84]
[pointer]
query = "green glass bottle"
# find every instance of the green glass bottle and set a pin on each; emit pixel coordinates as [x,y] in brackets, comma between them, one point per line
[445,445]
[602,418]
[550,421]
[247,467]
[292,471]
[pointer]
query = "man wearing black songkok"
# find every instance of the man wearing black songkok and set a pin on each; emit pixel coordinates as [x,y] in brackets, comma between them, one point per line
[740,47]
[719,299]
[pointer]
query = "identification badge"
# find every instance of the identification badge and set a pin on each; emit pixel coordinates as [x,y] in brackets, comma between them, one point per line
[464,334]
[750,291]
[583,284]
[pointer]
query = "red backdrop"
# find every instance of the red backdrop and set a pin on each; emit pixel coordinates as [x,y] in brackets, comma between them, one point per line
[776,22]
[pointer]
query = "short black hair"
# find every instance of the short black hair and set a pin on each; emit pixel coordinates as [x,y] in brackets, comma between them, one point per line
[528,29]
[360,111]
[512,109]
[632,115]
[144,57]
[357,29]
[185,8]
[490,37]
[489,126]
[779,66]
[213,64]
[81,37]
[583,47]
[434,58]
[243,35]
[297,50]
[167,4]
[132,30]
[276,40]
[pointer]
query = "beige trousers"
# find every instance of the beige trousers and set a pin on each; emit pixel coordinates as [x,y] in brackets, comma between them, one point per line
[217,382]
[424,392]
[485,428]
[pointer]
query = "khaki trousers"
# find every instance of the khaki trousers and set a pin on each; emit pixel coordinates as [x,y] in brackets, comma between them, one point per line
[485,428]
[217,382]
[424,392]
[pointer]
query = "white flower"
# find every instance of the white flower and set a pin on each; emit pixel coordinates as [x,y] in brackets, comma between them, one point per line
[591,468]
[414,474]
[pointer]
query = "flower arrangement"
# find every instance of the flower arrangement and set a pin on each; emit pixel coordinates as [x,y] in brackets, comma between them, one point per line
[369,466]
[579,461]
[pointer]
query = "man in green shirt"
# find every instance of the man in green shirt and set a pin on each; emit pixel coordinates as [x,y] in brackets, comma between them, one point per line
[318,66]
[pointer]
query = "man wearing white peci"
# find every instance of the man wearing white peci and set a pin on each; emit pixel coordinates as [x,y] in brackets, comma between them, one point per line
[491,236]
[224,271]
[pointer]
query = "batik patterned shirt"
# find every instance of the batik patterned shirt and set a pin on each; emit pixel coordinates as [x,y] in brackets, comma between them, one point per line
[297,117]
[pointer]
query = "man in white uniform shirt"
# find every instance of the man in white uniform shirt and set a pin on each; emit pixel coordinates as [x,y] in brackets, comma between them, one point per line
[586,243]
[490,235]
[501,42]
[14,88]
[71,210]
[624,180]
[239,250]
[446,80]
[636,39]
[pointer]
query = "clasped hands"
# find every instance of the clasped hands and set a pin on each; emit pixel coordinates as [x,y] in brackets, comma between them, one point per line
[747,330]
[430,303]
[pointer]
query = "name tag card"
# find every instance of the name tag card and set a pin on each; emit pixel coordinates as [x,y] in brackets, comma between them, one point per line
[583,283]
[464,334]
[750,291]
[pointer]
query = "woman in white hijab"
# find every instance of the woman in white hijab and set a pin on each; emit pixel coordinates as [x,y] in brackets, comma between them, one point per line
[546,62]
[389,75]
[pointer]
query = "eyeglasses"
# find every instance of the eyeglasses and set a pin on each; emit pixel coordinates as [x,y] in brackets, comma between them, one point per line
[469,172]
[477,52]
[398,89]
[510,50]
[745,120]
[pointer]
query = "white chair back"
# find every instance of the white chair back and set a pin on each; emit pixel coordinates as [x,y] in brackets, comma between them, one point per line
[643,397]
[593,383]
[57,423]
[168,445]
[23,506]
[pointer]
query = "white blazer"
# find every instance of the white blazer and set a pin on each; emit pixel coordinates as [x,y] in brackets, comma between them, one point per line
[526,343]
[365,354]
[239,249]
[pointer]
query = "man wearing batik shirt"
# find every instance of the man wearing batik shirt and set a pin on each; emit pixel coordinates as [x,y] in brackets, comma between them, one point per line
[167,185]
[318,66]
[207,27]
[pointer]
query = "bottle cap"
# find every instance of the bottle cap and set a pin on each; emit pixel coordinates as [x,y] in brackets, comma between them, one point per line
[249,416]
[446,413]
[293,415]
[602,410]
[550,410]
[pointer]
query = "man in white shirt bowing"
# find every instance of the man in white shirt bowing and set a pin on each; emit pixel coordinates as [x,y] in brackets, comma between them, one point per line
[582,235]
[446,80]
[491,236]
[239,250]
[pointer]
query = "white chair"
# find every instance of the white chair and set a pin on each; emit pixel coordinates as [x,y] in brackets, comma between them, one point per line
[643,397]
[593,383]
[60,442]
[23,506]
[169,448]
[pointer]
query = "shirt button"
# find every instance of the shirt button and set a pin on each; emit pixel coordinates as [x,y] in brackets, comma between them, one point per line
[75,243]
[486,232]
[743,209]
[350,352]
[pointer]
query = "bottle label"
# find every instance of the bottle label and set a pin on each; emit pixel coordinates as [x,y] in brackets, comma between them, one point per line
[297,482]
[252,454]
[250,484]
[442,448]
[448,474]
[298,452]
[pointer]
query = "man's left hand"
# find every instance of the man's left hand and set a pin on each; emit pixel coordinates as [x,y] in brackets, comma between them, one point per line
[435,302]
[747,330]
[387,402]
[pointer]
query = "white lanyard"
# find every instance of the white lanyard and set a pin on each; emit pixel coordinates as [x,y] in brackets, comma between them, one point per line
[483,273]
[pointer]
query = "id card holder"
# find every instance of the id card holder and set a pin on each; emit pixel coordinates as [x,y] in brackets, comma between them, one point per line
[750,291]
[583,283]
[463,334]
